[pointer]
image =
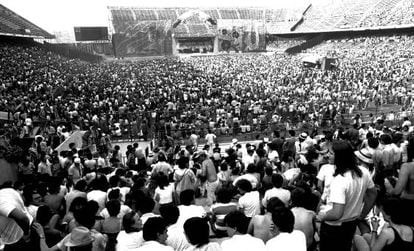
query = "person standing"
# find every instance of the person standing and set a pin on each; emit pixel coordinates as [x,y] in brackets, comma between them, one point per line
[208,170]
[352,195]
[210,138]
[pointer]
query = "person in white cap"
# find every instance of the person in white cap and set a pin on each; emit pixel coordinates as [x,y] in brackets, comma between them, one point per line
[301,144]
[75,170]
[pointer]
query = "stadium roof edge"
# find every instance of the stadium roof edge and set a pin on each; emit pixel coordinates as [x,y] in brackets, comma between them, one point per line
[345,30]
[46,35]
[201,8]
[22,35]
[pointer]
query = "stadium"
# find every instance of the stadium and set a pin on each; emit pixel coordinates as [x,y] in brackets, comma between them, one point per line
[131,133]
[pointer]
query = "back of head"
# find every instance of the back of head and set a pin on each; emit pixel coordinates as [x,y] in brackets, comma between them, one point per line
[170,213]
[283,219]
[274,203]
[114,194]
[345,159]
[298,197]
[113,207]
[386,139]
[146,205]
[237,220]
[197,231]
[251,168]
[244,185]
[277,180]
[114,181]
[84,216]
[81,185]
[128,222]
[77,203]
[394,209]
[187,197]
[224,195]
[153,227]
[43,215]
[373,142]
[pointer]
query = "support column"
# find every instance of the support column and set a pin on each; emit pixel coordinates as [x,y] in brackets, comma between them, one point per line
[216,45]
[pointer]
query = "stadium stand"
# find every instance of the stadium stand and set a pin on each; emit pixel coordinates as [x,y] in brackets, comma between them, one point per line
[12,23]
[229,14]
[381,14]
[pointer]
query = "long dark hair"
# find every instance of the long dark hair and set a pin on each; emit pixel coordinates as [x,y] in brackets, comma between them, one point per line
[345,159]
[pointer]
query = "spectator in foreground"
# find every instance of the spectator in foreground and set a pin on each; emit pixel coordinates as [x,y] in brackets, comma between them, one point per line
[155,235]
[286,238]
[240,240]
[197,231]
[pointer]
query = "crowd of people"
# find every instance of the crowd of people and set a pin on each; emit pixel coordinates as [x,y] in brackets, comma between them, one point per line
[338,188]
[228,94]
[349,189]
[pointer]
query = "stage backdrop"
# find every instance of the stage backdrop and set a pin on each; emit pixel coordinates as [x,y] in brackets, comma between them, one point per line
[241,35]
[146,38]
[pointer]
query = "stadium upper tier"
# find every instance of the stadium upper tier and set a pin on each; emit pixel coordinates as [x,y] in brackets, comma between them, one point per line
[338,15]
[275,20]
[12,23]
[365,14]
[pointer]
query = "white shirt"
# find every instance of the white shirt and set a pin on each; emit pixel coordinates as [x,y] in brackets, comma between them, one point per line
[248,159]
[176,238]
[349,190]
[187,212]
[249,177]
[146,216]
[211,246]
[98,196]
[165,195]
[282,194]
[244,242]
[10,231]
[123,211]
[295,241]
[326,175]
[250,203]
[210,138]
[154,246]
[129,241]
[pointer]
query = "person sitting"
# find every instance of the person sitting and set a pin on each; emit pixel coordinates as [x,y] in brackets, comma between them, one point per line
[155,235]
[305,220]
[220,209]
[236,223]
[145,208]
[277,191]
[286,238]
[130,238]
[187,208]
[249,202]
[176,237]
[197,231]
[112,224]
[260,225]
[396,235]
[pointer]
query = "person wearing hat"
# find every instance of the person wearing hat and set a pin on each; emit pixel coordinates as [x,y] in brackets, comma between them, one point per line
[79,239]
[301,145]
[75,170]
[364,157]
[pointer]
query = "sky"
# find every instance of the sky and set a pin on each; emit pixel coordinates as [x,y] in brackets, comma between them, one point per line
[63,15]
